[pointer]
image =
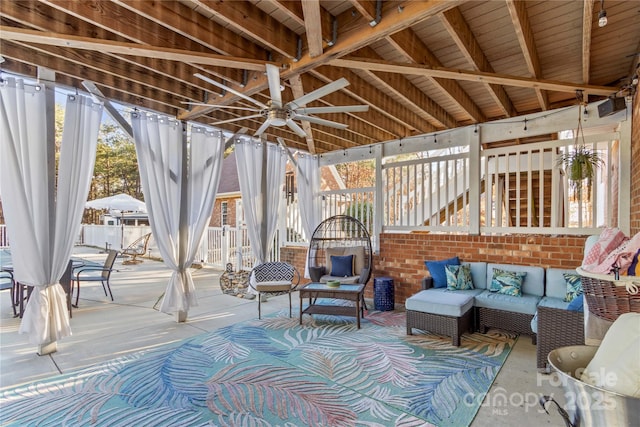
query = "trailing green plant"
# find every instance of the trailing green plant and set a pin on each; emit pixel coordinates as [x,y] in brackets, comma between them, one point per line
[580,164]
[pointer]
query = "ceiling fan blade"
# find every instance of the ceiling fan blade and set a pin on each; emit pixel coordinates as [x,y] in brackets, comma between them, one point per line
[262,128]
[220,107]
[297,129]
[228,89]
[336,109]
[235,119]
[319,93]
[320,121]
[273,77]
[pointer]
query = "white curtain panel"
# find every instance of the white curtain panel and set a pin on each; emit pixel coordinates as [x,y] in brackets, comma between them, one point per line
[42,241]
[309,200]
[261,222]
[160,159]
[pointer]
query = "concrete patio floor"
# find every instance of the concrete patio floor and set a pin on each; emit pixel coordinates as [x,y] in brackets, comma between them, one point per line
[103,330]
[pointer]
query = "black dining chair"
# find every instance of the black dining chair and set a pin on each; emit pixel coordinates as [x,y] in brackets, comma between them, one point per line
[7,282]
[95,273]
[65,282]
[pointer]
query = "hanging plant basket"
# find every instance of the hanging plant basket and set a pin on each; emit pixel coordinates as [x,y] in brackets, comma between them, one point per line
[580,164]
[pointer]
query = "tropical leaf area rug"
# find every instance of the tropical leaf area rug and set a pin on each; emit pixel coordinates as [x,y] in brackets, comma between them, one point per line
[275,372]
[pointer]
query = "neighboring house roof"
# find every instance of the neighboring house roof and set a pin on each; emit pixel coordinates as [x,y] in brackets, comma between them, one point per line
[229,176]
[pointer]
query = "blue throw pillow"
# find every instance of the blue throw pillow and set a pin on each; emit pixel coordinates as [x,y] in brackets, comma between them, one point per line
[436,270]
[577,304]
[342,265]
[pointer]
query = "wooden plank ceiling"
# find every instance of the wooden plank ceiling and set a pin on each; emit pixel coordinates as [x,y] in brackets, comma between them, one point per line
[420,66]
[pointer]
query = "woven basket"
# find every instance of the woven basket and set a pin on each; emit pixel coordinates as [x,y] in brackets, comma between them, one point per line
[609,298]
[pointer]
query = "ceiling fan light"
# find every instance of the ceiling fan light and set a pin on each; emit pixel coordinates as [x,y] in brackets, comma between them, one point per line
[277,117]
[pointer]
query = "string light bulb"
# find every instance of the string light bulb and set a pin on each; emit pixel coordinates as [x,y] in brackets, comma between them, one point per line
[602,16]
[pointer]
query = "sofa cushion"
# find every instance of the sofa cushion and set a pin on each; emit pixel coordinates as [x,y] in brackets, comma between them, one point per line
[478,274]
[574,286]
[552,302]
[507,282]
[555,284]
[525,304]
[470,292]
[458,277]
[448,303]
[436,270]
[342,265]
[356,251]
[533,284]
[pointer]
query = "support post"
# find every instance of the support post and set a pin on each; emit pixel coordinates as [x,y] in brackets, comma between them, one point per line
[183,225]
[47,78]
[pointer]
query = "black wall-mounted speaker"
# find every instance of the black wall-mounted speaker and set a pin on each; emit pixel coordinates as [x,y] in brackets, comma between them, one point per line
[610,106]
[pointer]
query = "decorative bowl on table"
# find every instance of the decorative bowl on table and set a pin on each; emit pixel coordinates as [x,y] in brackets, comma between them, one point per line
[333,283]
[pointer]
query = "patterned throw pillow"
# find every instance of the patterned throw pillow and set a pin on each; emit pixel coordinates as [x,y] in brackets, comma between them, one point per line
[458,277]
[574,286]
[507,282]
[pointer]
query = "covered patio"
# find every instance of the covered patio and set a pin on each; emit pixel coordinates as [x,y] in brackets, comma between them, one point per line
[463,108]
[105,330]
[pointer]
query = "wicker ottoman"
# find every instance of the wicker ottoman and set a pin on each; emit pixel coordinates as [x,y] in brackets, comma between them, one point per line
[444,313]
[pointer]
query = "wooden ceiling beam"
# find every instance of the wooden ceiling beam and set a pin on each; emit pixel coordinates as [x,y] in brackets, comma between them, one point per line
[387,127]
[366,8]
[587,22]
[108,65]
[298,90]
[293,9]
[414,50]
[360,35]
[461,34]
[245,18]
[520,20]
[412,96]
[473,76]
[121,18]
[394,19]
[44,18]
[63,40]
[362,90]
[144,94]
[64,81]
[313,26]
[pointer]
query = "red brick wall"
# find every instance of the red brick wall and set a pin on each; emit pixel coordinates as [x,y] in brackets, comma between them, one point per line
[295,256]
[635,166]
[216,215]
[402,256]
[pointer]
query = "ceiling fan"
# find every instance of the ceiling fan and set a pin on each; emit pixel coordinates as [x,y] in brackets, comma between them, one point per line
[277,113]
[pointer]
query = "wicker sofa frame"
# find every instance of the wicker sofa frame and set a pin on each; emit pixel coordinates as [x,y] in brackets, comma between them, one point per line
[505,320]
[557,328]
[450,326]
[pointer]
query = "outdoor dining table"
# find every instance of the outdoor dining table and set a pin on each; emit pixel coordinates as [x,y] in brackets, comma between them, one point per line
[18,289]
